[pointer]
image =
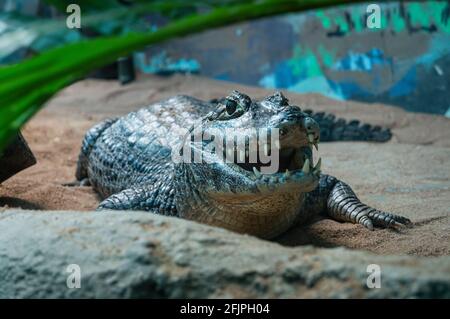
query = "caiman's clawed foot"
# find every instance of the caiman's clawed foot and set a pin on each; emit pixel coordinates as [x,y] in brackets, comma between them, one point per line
[343,205]
[387,220]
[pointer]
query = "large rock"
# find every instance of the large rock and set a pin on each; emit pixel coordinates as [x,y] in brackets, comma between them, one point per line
[134,254]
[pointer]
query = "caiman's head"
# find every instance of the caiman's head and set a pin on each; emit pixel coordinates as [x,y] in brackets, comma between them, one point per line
[250,165]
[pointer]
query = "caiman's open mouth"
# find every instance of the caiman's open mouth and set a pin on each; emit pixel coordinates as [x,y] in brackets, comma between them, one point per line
[295,163]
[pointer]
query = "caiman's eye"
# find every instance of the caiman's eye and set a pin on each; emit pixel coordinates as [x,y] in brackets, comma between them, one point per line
[230,109]
[230,106]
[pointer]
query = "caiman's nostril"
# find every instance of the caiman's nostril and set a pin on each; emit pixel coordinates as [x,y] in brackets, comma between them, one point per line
[312,127]
[312,132]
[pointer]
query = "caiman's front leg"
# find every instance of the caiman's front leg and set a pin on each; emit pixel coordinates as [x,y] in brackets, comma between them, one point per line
[337,200]
[157,198]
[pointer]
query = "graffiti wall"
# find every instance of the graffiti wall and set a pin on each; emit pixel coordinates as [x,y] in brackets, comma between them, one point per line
[406,62]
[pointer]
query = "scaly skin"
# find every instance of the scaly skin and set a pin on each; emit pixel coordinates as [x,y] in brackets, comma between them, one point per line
[129,163]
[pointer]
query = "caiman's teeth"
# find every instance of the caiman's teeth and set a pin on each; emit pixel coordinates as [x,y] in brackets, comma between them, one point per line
[305,168]
[257,173]
[319,163]
[311,138]
[287,173]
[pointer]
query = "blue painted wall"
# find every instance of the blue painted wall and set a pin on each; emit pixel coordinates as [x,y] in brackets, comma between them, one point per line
[405,63]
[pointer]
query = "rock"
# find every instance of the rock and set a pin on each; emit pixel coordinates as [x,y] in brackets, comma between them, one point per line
[16,157]
[137,254]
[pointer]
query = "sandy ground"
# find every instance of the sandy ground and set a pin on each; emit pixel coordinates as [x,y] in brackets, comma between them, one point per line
[409,175]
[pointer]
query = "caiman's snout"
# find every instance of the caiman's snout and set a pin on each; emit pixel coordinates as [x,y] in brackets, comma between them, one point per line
[298,133]
[297,127]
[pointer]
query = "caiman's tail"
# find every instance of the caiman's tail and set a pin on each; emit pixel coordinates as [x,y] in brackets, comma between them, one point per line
[332,129]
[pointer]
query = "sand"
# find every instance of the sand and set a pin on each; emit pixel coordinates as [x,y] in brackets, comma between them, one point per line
[409,175]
